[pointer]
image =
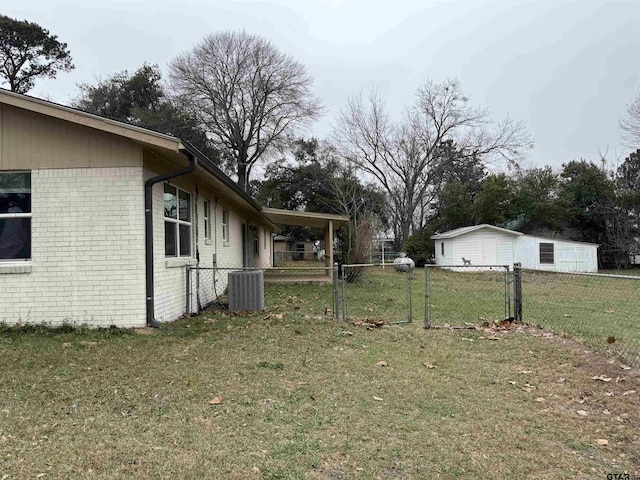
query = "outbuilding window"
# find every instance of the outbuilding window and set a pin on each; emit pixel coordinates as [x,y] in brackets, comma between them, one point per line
[177,222]
[547,253]
[442,248]
[15,216]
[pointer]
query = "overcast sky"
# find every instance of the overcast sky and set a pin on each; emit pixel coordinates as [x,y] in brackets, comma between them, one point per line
[568,68]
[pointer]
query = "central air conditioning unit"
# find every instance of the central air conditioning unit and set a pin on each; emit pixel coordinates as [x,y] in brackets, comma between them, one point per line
[246,290]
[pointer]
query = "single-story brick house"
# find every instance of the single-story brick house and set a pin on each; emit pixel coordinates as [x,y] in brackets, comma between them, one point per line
[490,245]
[98,218]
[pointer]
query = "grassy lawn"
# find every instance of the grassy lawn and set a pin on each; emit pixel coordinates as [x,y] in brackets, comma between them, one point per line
[591,309]
[302,396]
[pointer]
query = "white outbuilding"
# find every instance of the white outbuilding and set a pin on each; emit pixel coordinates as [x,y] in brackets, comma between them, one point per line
[490,245]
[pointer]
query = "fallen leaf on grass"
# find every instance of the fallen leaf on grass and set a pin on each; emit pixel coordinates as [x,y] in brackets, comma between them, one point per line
[381,363]
[512,382]
[611,339]
[255,470]
[629,392]
[347,334]
[540,400]
[428,365]
[582,413]
[377,399]
[602,378]
[215,401]
[467,339]
[602,441]
[525,372]
[625,367]
[608,394]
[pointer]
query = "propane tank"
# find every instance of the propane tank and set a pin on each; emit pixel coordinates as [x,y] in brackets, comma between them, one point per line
[404,263]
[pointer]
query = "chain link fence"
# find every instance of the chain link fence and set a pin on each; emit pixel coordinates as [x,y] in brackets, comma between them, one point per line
[309,286]
[375,292]
[601,311]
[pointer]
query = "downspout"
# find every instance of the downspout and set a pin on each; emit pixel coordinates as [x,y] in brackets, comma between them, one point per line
[148,230]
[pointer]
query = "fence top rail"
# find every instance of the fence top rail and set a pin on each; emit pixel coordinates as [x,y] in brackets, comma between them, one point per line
[349,265]
[467,266]
[267,269]
[584,274]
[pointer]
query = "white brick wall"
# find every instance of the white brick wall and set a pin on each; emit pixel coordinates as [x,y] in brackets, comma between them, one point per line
[170,273]
[87,251]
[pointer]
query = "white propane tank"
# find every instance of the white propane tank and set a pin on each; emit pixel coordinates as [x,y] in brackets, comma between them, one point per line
[404,263]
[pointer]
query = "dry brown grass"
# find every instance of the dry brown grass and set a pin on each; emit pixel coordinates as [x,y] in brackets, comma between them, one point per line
[302,398]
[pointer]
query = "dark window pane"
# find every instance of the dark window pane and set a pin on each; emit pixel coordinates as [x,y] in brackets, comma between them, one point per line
[185,240]
[170,204]
[170,234]
[15,238]
[15,202]
[185,206]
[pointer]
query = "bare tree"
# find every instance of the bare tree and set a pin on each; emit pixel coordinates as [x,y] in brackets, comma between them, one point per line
[249,96]
[630,124]
[410,159]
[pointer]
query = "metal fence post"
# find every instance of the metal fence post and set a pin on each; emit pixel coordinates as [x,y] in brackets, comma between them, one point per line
[507,293]
[509,280]
[344,286]
[409,276]
[517,292]
[427,320]
[336,296]
[188,290]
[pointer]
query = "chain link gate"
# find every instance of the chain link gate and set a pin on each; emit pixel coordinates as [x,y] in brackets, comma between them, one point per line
[466,295]
[376,293]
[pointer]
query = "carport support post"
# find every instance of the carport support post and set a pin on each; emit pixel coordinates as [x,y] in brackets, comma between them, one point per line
[328,247]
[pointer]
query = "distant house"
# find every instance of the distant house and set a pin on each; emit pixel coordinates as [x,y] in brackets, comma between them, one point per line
[490,245]
[99,219]
[287,249]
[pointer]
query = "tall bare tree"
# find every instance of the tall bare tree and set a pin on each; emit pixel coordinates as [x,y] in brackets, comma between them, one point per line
[630,124]
[249,95]
[410,159]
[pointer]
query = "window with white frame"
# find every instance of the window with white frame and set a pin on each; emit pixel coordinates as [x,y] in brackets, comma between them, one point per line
[254,237]
[207,220]
[15,216]
[225,225]
[546,253]
[177,222]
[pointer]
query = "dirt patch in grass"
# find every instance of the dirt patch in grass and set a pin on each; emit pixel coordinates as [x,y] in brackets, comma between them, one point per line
[302,399]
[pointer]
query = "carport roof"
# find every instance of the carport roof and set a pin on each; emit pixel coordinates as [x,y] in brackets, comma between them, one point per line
[304,219]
